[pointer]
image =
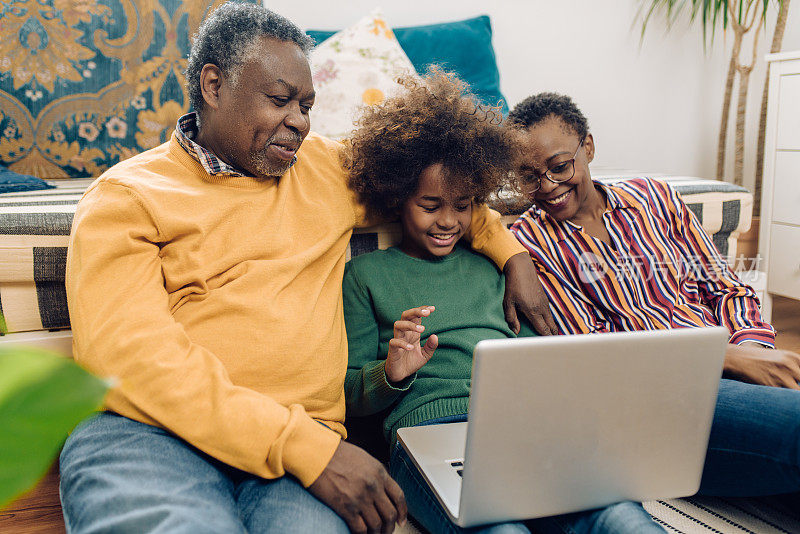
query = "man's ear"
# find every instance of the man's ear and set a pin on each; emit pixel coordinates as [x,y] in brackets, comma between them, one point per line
[588,145]
[210,84]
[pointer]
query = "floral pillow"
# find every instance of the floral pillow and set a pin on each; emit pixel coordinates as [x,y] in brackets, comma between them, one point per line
[357,66]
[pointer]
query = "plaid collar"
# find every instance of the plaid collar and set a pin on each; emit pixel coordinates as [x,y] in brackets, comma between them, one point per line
[185,132]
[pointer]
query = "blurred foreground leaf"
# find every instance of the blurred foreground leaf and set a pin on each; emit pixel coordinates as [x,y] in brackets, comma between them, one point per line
[43,396]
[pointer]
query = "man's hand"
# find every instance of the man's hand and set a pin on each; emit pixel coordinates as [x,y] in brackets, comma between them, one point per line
[759,365]
[524,294]
[406,356]
[358,488]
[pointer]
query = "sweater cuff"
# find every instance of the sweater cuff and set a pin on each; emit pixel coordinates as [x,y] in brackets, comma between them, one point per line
[308,449]
[490,237]
[761,336]
[501,246]
[377,377]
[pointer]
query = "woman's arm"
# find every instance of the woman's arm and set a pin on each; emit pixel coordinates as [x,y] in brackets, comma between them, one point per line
[750,356]
[733,303]
[524,293]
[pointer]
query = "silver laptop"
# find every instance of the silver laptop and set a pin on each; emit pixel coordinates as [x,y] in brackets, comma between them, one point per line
[566,423]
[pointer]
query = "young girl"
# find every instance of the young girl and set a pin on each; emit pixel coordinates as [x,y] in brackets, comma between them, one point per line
[415,312]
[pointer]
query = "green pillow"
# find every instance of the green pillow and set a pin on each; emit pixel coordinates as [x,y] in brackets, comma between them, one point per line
[463,47]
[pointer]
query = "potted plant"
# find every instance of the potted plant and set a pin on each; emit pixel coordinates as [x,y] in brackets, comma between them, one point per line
[739,17]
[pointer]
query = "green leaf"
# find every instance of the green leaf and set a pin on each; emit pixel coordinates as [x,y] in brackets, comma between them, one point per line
[43,396]
[710,12]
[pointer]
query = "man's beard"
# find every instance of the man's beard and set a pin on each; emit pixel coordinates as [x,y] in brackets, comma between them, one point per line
[260,161]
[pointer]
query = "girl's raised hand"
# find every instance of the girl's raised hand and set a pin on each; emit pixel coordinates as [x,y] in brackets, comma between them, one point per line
[406,356]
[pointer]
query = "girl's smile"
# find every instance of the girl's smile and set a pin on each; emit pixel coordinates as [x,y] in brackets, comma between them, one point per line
[434,218]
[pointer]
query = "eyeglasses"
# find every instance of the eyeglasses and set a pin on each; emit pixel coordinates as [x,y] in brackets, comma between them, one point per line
[558,173]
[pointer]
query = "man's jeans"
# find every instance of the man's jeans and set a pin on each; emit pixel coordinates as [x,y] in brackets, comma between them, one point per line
[119,475]
[754,450]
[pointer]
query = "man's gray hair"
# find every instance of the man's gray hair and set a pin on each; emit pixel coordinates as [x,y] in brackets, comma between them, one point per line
[224,37]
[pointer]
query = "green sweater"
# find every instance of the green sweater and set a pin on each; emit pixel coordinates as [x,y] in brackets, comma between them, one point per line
[467,290]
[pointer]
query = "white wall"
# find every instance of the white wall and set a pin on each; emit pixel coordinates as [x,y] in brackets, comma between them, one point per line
[652,104]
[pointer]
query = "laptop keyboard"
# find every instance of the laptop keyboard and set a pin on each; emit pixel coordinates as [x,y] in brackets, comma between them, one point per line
[458,466]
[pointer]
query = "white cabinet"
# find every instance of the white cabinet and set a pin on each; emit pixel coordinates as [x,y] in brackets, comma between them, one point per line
[783,276]
[788,120]
[786,186]
[779,241]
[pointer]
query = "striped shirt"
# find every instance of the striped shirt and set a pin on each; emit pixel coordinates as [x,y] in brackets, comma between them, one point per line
[185,133]
[660,271]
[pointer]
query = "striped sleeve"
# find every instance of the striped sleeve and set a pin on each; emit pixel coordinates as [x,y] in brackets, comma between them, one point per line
[572,311]
[734,303]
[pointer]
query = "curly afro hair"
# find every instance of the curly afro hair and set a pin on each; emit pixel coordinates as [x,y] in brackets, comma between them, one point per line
[537,108]
[434,120]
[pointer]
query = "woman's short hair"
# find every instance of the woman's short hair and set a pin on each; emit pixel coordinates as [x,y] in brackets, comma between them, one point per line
[537,108]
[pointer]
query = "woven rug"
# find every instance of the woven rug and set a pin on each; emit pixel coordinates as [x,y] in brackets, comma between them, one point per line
[706,515]
[703,515]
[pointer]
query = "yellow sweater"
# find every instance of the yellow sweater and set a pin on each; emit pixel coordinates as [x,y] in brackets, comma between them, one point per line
[216,302]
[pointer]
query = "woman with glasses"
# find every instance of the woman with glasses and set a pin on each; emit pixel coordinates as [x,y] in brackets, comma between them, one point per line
[632,256]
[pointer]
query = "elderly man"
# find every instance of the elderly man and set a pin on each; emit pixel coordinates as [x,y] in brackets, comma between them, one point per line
[205,277]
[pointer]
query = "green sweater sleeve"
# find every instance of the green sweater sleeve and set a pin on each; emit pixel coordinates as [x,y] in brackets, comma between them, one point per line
[366,388]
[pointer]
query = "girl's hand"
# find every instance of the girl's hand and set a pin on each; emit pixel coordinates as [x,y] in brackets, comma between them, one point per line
[406,356]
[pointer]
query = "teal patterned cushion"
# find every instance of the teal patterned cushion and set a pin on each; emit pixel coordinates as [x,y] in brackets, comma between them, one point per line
[85,84]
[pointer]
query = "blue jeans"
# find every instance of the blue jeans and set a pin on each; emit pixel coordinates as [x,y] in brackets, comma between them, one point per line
[753,450]
[119,475]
